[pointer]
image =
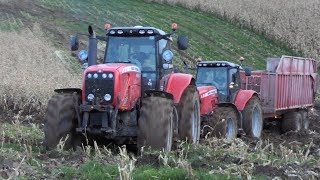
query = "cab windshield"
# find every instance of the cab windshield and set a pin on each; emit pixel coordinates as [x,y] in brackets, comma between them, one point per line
[213,76]
[135,50]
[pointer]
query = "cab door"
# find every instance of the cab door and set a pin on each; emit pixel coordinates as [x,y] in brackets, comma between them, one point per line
[234,83]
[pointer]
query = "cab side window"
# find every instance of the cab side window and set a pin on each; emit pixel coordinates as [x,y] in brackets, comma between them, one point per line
[234,77]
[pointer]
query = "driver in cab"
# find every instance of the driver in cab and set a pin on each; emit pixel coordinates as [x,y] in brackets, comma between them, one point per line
[143,60]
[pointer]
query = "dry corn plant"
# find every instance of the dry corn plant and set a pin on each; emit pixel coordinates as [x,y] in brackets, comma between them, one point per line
[126,164]
[21,134]
[294,22]
[30,71]
[164,158]
[301,156]
[62,142]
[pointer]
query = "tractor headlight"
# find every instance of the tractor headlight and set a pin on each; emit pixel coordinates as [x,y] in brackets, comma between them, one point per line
[95,75]
[107,97]
[90,97]
[104,75]
[89,76]
[110,75]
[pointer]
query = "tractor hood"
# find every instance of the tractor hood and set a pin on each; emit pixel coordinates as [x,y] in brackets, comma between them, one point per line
[205,91]
[116,84]
[209,99]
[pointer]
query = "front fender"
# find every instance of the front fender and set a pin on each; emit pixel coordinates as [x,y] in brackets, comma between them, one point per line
[243,97]
[177,83]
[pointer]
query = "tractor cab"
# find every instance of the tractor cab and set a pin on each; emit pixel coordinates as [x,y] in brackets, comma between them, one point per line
[223,75]
[143,47]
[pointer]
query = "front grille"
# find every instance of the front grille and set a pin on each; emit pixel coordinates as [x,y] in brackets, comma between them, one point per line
[99,86]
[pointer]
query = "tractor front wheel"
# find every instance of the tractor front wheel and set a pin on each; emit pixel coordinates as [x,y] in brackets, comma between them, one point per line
[156,123]
[60,122]
[223,123]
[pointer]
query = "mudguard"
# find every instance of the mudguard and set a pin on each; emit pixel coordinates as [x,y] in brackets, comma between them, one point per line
[177,83]
[243,97]
[69,90]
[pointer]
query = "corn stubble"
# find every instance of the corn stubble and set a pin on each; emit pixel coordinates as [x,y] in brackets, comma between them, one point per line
[295,23]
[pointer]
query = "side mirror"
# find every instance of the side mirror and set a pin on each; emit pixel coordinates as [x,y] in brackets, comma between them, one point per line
[247,71]
[182,42]
[74,43]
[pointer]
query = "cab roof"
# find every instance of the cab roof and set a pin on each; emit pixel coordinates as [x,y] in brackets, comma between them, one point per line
[134,31]
[218,64]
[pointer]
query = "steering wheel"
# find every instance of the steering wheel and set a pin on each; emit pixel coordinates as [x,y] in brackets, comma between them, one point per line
[138,55]
[147,69]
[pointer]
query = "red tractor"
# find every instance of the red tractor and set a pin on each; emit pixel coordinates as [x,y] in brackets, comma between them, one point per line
[233,108]
[284,92]
[133,97]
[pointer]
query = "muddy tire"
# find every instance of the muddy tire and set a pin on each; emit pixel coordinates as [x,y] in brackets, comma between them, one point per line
[189,113]
[252,118]
[305,119]
[292,121]
[60,122]
[222,124]
[156,123]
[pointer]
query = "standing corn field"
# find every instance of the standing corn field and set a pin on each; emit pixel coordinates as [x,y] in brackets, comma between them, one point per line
[295,22]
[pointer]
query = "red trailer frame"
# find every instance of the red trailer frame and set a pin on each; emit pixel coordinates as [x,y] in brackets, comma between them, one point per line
[288,83]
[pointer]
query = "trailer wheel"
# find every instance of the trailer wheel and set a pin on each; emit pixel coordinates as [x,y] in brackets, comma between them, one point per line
[291,121]
[305,119]
[252,118]
[189,113]
[222,124]
[60,122]
[156,123]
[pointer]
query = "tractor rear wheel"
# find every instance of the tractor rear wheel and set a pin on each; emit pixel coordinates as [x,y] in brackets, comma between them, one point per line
[156,123]
[252,118]
[305,119]
[189,113]
[292,121]
[222,124]
[60,122]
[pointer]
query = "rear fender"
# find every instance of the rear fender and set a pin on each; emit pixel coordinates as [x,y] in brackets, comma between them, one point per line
[149,93]
[243,97]
[69,90]
[177,83]
[234,107]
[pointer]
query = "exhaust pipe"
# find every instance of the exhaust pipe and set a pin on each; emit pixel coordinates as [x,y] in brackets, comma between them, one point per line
[92,50]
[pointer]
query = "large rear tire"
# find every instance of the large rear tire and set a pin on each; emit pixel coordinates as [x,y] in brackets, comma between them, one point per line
[252,118]
[189,113]
[292,121]
[156,123]
[60,122]
[222,124]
